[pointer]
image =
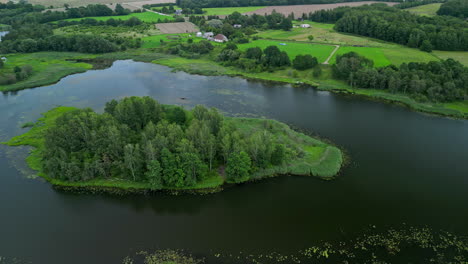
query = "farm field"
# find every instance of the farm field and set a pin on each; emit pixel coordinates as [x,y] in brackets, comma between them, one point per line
[298,10]
[180,27]
[155,41]
[293,48]
[382,53]
[461,56]
[425,10]
[222,11]
[145,17]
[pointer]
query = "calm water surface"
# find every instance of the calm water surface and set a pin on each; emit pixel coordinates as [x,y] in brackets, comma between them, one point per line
[406,167]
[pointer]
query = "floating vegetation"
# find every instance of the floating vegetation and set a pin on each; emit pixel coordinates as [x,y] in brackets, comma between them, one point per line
[163,257]
[404,245]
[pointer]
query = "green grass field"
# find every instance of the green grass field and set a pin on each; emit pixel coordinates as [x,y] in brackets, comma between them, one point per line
[149,17]
[155,41]
[48,67]
[293,48]
[425,10]
[221,11]
[461,56]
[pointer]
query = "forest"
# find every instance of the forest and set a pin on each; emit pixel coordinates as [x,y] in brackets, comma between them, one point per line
[235,3]
[456,8]
[140,140]
[395,25]
[435,81]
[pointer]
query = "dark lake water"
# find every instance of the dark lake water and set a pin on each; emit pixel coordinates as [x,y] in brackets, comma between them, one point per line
[406,167]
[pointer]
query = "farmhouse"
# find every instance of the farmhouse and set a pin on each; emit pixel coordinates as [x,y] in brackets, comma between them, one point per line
[305,25]
[237,25]
[178,12]
[199,34]
[220,38]
[208,35]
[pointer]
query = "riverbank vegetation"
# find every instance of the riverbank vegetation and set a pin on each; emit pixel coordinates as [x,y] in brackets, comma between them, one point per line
[139,144]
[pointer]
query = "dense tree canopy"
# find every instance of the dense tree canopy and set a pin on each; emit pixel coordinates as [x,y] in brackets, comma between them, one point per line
[395,25]
[436,81]
[138,139]
[235,3]
[456,8]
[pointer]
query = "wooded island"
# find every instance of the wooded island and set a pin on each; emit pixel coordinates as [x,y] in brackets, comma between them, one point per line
[138,143]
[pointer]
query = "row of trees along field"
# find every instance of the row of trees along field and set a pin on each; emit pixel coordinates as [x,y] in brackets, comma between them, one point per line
[236,3]
[40,37]
[139,140]
[399,26]
[456,8]
[257,60]
[22,12]
[249,23]
[437,81]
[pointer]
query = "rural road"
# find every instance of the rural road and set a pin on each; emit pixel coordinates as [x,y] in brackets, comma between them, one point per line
[331,55]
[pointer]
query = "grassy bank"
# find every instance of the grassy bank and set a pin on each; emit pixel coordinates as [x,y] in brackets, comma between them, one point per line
[318,158]
[47,67]
[324,82]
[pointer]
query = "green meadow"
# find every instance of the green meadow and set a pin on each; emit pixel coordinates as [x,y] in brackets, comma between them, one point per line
[155,41]
[48,67]
[222,11]
[425,10]
[149,17]
[293,48]
[461,56]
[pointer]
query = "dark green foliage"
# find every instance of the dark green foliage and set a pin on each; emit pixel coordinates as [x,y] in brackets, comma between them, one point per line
[395,25]
[426,46]
[304,62]
[273,57]
[137,139]
[254,53]
[278,155]
[456,8]
[154,175]
[238,167]
[444,81]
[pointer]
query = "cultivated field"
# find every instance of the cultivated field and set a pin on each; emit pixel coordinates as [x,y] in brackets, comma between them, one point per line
[298,10]
[223,11]
[293,48]
[461,56]
[145,17]
[425,10]
[381,52]
[181,27]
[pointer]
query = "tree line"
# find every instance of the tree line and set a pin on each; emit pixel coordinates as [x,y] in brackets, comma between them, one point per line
[436,81]
[395,25]
[140,140]
[236,3]
[39,37]
[456,8]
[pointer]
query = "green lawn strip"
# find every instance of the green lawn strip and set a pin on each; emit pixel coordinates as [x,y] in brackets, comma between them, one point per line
[155,41]
[461,56]
[221,11]
[48,67]
[425,10]
[293,48]
[149,17]
[316,159]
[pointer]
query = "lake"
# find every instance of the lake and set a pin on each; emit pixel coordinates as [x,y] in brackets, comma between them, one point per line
[406,168]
